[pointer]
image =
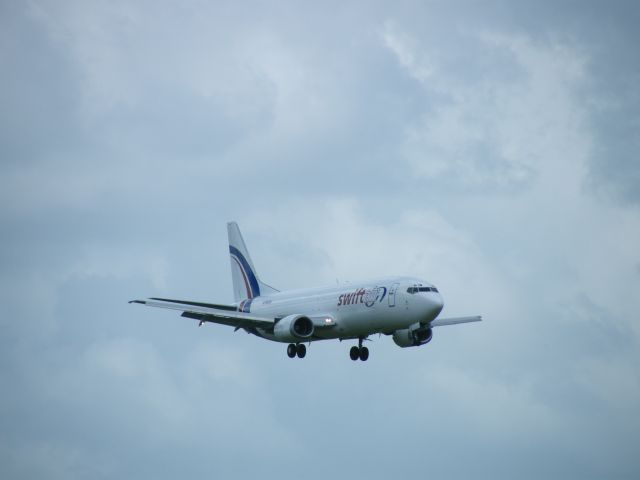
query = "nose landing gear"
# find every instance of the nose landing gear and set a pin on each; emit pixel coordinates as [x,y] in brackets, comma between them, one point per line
[359,352]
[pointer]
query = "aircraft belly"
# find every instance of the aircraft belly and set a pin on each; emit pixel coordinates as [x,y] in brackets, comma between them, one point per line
[370,320]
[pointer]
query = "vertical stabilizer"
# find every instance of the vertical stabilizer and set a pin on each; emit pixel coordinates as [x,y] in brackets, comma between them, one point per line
[246,284]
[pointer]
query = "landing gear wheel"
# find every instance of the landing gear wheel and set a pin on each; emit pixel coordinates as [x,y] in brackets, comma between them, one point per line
[291,350]
[364,354]
[301,350]
[354,353]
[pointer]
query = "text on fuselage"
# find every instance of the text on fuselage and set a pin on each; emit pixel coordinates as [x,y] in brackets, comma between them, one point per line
[367,296]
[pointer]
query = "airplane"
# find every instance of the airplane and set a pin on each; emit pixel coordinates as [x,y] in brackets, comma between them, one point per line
[403,307]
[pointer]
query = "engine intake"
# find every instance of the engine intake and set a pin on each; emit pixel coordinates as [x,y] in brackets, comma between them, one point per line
[413,336]
[293,328]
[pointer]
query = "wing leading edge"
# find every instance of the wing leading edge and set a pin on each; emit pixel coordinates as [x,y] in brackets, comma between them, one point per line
[440,322]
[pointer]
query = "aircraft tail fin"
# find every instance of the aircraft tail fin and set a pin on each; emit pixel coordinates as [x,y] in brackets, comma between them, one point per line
[246,284]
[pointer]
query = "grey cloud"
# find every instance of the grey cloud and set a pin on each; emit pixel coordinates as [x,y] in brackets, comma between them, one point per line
[616,162]
[608,34]
[39,94]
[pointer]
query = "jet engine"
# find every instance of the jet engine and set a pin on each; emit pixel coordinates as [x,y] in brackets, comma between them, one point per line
[414,336]
[293,328]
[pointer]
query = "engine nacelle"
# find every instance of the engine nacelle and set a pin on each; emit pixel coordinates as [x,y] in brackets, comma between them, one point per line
[293,328]
[413,336]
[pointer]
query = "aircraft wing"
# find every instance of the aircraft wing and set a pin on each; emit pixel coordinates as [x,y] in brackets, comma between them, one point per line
[208,312]
[439,322]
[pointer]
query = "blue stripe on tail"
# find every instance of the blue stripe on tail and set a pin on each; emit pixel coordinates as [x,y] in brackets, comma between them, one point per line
[253,281]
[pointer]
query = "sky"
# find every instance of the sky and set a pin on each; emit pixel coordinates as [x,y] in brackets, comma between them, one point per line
[490,148]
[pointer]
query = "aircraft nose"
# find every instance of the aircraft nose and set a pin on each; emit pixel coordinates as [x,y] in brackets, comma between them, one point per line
[437,303]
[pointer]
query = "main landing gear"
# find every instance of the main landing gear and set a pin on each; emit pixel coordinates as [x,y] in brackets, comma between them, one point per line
[296,349]
[359,352]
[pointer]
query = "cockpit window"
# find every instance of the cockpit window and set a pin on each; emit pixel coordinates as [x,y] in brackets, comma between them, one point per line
[421,289]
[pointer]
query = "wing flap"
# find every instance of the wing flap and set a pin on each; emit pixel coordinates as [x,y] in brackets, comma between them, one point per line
[440,322]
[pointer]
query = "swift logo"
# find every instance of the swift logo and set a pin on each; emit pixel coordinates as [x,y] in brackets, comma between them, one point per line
[367,296]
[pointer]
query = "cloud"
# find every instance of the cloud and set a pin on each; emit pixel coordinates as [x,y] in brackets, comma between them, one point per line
[497,132]
[485,149]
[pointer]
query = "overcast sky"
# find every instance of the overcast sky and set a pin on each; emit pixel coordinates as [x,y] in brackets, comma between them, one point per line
[488,147]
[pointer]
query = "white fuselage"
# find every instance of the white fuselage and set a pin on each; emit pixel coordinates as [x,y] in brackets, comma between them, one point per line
[357,310]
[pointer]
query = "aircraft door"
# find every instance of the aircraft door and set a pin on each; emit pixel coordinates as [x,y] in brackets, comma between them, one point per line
[392,294]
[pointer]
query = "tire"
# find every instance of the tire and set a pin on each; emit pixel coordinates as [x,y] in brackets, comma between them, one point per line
[301,350]
[291,350]
[364,354]
[354,353]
